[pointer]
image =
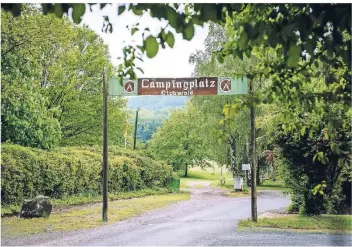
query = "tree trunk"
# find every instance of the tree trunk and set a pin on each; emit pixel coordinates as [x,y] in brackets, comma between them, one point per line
[186,171]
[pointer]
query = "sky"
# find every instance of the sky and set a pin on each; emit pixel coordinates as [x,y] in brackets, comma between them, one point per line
[167,63]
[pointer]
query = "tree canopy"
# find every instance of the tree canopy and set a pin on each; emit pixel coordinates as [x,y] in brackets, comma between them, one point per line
[51,86]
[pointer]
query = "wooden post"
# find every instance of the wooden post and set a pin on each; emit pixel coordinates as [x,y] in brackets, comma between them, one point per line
[252,152]
[105,147]
[135,130]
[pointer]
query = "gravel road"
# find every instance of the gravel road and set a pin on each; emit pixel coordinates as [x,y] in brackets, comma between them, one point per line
[209,218]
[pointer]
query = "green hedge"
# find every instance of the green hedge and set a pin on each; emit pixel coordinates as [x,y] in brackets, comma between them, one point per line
[27,172]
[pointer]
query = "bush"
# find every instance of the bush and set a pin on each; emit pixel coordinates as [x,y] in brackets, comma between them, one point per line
[316,184]
[28,172]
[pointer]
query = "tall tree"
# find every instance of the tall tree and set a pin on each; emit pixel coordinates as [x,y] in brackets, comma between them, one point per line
[178,140]
[60,65]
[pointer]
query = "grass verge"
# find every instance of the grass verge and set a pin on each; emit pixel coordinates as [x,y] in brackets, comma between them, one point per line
[266,185]
[88,198]
[324,223]
[87,217]
[237,194]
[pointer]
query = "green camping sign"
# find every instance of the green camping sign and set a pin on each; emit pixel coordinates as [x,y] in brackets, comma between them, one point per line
[178,86]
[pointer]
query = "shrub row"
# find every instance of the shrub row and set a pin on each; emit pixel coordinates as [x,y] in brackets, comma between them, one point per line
[27,172]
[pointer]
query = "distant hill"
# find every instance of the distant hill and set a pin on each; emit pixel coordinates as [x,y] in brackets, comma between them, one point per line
[154,110]
[156,102]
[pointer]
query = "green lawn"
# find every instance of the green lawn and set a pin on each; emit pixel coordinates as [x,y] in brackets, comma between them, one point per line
[271,185]
[88,216]
[197,176]
[209,174]
[266,185]
[339,223]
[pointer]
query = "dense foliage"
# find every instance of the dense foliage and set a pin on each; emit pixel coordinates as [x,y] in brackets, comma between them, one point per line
[51,74]
[317,167]
[28,172]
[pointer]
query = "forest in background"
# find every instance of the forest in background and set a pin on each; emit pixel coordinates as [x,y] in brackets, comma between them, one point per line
[154,110]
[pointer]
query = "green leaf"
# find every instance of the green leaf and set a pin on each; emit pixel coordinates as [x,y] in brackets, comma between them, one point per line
[293,56]
[121,9]
[151,46]
[303,130]
[171,16]
[136,10]
[134,30]
[188,32]
[163,35]
[78,10]
[170,39]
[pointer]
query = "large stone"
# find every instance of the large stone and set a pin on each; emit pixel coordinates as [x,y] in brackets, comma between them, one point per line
[37,207]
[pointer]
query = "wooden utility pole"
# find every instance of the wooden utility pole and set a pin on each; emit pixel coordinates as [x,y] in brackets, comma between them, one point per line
[105,146]
[135,129]
[252,155]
